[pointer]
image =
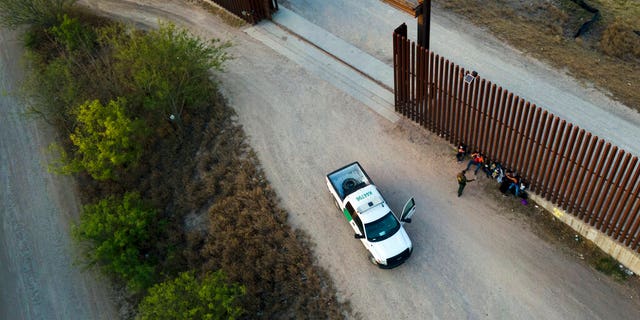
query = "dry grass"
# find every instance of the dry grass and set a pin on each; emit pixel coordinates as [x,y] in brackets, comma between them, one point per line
[625,10]
[249,237]
[606,56]
[208,174]
[618,41]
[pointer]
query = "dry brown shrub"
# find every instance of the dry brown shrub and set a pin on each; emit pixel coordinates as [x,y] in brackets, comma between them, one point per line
[546,14]
[208,167]
[249,239]
[249,236]
[619,40]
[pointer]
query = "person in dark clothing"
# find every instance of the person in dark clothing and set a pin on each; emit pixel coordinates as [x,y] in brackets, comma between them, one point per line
[462,181]
[462,151]
[487,168]
[510,184]
[508,179]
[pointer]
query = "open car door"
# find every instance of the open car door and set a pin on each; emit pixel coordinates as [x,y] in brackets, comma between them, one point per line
[408,210]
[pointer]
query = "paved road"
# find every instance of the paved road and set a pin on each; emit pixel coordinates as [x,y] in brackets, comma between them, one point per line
[38,275]
[368,24]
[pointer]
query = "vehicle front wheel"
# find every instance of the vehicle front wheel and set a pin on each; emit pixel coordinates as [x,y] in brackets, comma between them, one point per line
[373,260]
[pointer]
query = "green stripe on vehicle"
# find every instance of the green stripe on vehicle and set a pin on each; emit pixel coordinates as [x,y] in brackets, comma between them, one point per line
[347,214]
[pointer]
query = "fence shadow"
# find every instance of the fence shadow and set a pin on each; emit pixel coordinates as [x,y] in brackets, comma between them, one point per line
[581,173]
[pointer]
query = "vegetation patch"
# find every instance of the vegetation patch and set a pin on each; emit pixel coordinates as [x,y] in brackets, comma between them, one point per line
[14,13]
[122,231]
[611,267]
[607,54]
[189,298]
[155,148]
[105,139]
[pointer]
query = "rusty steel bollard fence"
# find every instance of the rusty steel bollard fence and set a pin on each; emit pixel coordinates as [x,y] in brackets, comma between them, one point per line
[581,173]
[251,11]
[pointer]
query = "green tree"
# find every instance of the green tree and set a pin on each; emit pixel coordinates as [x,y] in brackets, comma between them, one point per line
[73,35]
[106,139]
[186,297]
[51,89]
[14,13]
[64,60]
[167,68]
[121,232]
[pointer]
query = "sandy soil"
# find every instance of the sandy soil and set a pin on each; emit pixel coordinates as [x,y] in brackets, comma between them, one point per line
[474,258]
[38,275]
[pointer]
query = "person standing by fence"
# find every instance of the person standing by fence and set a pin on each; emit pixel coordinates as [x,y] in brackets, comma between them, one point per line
[462,181]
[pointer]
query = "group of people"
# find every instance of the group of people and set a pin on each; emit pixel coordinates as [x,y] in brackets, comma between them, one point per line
[510,182]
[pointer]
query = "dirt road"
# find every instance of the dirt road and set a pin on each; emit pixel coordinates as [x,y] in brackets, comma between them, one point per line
[473,258]
[38,277]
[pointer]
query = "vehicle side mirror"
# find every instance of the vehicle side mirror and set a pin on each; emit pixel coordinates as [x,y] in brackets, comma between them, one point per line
[407,220]
[358,236]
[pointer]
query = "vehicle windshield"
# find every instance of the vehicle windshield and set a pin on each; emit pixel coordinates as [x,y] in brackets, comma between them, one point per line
[382,228]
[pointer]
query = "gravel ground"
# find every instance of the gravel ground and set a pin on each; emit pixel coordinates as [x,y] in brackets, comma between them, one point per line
[38,275]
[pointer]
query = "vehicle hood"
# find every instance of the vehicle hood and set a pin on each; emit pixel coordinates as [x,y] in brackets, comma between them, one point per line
[391,246]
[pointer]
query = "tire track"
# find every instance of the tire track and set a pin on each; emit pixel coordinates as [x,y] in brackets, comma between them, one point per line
[38,276]
[15,237]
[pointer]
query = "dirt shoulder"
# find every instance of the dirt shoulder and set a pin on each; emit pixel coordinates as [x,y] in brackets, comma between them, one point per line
[39,277]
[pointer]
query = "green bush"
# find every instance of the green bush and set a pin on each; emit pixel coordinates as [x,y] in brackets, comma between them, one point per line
[121,232]
[63,69]
[72,35]
[161,73]
[166,70]
[59,81]
[107,139]
[186,297]
[611,267]
[14,13]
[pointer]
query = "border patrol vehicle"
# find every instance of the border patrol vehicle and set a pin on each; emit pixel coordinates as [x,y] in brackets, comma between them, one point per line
[377,227]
